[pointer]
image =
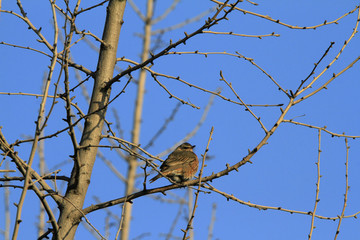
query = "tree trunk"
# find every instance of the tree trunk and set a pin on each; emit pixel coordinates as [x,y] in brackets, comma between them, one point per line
[137,121]
[84,158]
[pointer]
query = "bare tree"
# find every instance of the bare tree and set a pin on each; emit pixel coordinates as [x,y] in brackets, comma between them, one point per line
[101,148]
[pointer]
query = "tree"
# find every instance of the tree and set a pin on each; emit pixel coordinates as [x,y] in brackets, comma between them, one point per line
[82,158]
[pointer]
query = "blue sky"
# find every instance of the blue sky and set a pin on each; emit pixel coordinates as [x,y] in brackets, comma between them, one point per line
[283,173]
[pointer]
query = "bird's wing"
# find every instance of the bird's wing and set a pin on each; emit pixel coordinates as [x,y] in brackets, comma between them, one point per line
[177,160]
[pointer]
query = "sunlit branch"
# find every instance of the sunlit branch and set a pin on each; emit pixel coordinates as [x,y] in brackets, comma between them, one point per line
[320,128]
[289,25]
[346,189]
[244,35]
[313,213]
[331,63]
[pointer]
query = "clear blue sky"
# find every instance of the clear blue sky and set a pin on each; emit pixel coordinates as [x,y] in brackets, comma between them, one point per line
[283,173]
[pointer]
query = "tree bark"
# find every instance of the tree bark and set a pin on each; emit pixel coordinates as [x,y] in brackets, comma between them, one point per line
[84,157]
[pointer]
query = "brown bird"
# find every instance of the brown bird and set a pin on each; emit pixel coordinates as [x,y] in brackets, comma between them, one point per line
[180,165]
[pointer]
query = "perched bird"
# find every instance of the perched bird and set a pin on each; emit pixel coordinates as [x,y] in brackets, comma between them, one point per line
[180,165]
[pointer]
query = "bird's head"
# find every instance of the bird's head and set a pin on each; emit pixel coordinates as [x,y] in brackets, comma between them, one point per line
[185,147]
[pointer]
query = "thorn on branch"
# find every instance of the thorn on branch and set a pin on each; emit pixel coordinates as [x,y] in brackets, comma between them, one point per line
[208,21]
[227,166]
[151,54]
[292,94]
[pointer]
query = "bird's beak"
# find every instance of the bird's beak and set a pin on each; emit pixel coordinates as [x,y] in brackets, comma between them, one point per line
[193,146]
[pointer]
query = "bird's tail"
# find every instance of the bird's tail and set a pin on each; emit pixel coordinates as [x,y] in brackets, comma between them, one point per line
[155,178]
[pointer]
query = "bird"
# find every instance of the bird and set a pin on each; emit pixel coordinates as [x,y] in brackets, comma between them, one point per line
[181,165]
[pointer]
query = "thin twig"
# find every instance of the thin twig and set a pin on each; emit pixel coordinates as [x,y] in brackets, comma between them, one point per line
[27,48]
[244,35]
[172,95]
[312,227]
[237,55]
[137,10]
[166,12]
[8,179]
[40,117]
[91,7]
[247,108]
[176,219]
[217,92]
[289,25]
[346,188]
[193,131]
[315,66]
[189,225]
[7,207]
[163,126]
[330,64]
[121,221]
[184,23]
[84,216]
[212,222]
[208,24]
[263,207]
[333,134]
[324,86]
